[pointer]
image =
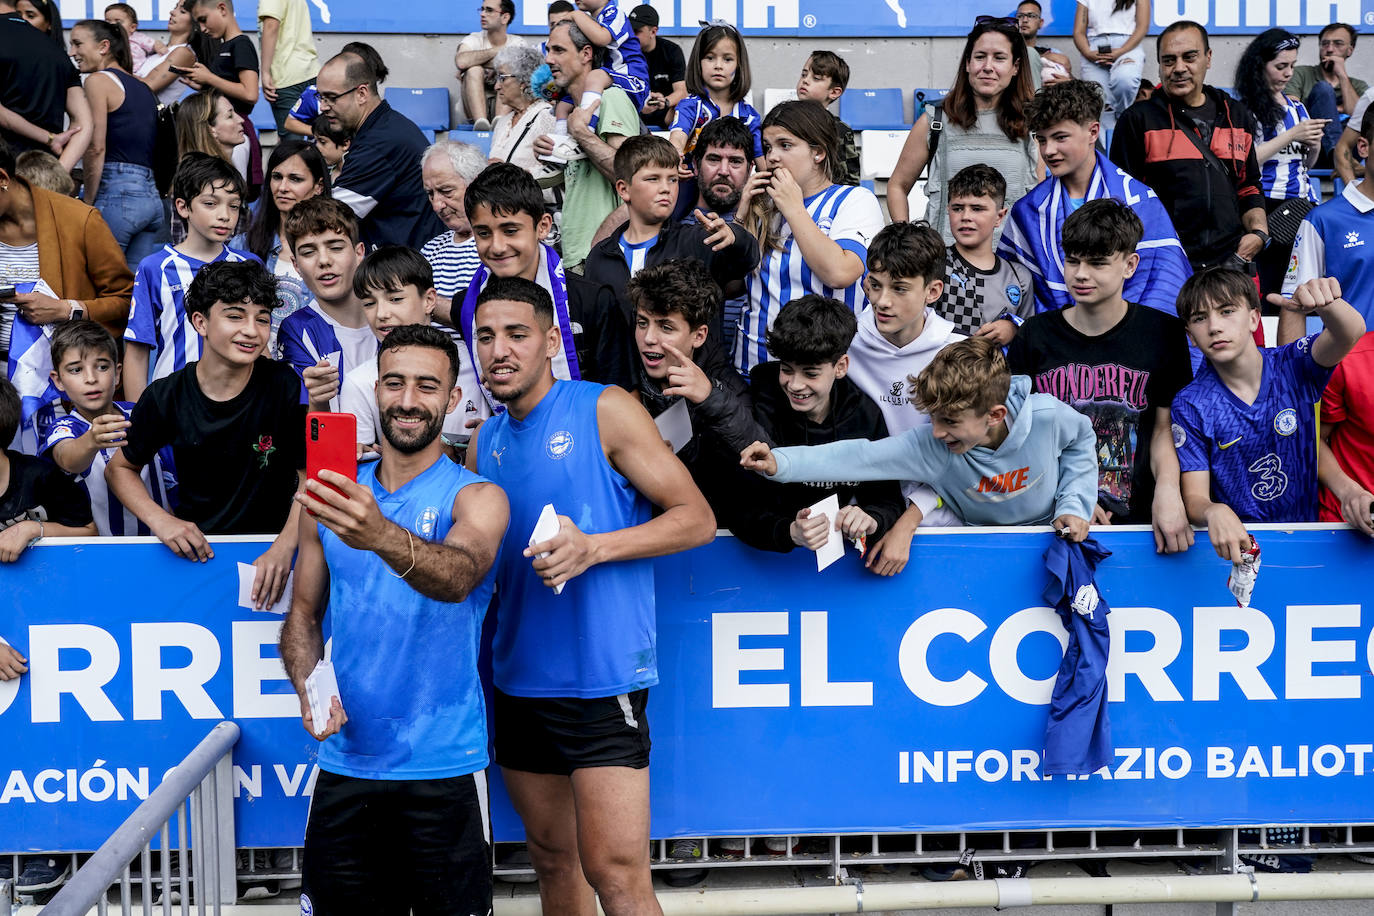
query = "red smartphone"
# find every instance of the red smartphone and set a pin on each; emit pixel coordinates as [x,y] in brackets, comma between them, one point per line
[331,444]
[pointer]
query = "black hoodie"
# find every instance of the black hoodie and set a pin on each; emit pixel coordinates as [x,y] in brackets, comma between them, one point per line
[1205,201]
[765,510]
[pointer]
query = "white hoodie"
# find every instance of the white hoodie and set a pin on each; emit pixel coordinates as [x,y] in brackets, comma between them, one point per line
[880,369]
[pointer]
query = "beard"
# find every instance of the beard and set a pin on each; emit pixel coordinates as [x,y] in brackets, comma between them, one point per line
[718,202]
[405,441]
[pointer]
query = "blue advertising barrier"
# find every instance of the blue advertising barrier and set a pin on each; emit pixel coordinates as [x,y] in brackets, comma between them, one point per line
[792,701]
[782,18]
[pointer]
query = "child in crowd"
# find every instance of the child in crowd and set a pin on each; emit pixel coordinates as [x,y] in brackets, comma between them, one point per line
[160,338]
[505,207]
[1065,120]
[996,453]
[44,170]
[984,294]
[675,305]
[1120,365]
[141,47]
[396,287]
[717,85]
[85,362]
[899,334]
[1245,427]
[330,336]
[607,27]
[1324,246]
[804,398]
[824,77]
[1345,468]
[235,424]
[234,70]
[332,142]
[38,499]
[647,181]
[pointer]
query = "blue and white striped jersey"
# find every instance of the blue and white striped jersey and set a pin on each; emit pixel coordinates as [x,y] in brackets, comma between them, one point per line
[310,335]
[1284,177]
[849,216]
[157,315]
[695,112]
[623,54]
[111,518]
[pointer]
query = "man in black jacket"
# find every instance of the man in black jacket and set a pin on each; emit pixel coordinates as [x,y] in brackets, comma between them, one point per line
[1195,146]
[804,398]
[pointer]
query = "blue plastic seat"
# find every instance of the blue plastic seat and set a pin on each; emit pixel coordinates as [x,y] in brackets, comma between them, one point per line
[261,116]
[478,138]
[873,109]
[428,108]
[922,98]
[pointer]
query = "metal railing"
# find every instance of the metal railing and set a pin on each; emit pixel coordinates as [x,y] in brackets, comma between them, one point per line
[198,794]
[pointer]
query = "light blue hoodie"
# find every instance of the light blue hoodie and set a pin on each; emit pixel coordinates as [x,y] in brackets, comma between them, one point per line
[1045,468]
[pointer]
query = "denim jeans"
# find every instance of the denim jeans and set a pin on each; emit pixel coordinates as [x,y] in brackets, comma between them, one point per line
[1321,103]
[129,202]
[1121,82]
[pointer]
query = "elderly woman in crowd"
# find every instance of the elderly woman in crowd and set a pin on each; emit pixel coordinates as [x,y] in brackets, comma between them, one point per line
[530,116]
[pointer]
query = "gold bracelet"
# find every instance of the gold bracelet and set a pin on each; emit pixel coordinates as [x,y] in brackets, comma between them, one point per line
[412,555]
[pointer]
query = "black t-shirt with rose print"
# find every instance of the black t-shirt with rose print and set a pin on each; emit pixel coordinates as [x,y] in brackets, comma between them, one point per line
[236,460]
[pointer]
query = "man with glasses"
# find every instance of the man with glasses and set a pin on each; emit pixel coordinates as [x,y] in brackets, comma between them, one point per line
[381,179]
[1326,89]
[1048,65]
[474,56]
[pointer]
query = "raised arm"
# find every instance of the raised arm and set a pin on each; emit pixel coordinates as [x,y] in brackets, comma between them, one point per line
[445,571]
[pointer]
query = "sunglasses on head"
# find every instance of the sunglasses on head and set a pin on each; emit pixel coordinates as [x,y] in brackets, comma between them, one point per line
[995,20]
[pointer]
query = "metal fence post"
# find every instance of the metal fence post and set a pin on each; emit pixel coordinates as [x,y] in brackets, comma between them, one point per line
[223,823]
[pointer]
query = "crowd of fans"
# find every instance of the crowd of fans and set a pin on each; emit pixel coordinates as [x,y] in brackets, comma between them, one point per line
[1072,336]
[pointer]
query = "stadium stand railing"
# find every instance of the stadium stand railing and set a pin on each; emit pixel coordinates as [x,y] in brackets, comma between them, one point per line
[198,795]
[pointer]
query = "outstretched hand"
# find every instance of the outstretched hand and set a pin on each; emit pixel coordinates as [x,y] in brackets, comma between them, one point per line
[758,457]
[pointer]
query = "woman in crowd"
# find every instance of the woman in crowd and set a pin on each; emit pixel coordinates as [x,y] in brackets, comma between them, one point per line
[295,171]
[1286,146]
[44,16]
[530,116]
[61,241]
[1108,34]
[118,180]
[812,232]
[207,123]
[983,120]
[183,34]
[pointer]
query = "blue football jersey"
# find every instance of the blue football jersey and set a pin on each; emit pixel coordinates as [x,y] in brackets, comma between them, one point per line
[1262,456]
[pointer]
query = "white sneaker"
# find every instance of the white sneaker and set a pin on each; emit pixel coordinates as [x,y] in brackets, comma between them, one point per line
[481,124]
[730,846]
[565,150]
[778,845]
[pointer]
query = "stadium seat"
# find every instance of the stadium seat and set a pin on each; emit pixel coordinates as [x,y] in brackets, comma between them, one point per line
[873,109]
[428,108]
[878,152]
[261,116]
[922,98]
[771,97]
[478,138]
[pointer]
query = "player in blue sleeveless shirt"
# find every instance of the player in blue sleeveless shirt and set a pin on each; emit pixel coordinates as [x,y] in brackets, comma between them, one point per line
[572,667]
[403,560]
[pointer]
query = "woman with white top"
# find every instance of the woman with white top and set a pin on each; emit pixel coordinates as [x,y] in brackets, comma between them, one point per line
[982,122]
[1108,34]
[813,233]
[157,69]
[118,180]
[529,116]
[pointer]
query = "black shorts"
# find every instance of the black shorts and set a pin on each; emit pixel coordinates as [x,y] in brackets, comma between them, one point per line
[392,847]
[562,734]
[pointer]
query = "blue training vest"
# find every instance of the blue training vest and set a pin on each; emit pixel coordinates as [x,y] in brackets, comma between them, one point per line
[406,664]
[597,638]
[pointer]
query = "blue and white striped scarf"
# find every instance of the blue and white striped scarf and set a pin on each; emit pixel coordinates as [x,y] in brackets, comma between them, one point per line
[1034,232]
[30,369]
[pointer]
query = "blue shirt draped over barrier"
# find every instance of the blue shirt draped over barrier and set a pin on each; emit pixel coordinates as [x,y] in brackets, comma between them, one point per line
[1078,738]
